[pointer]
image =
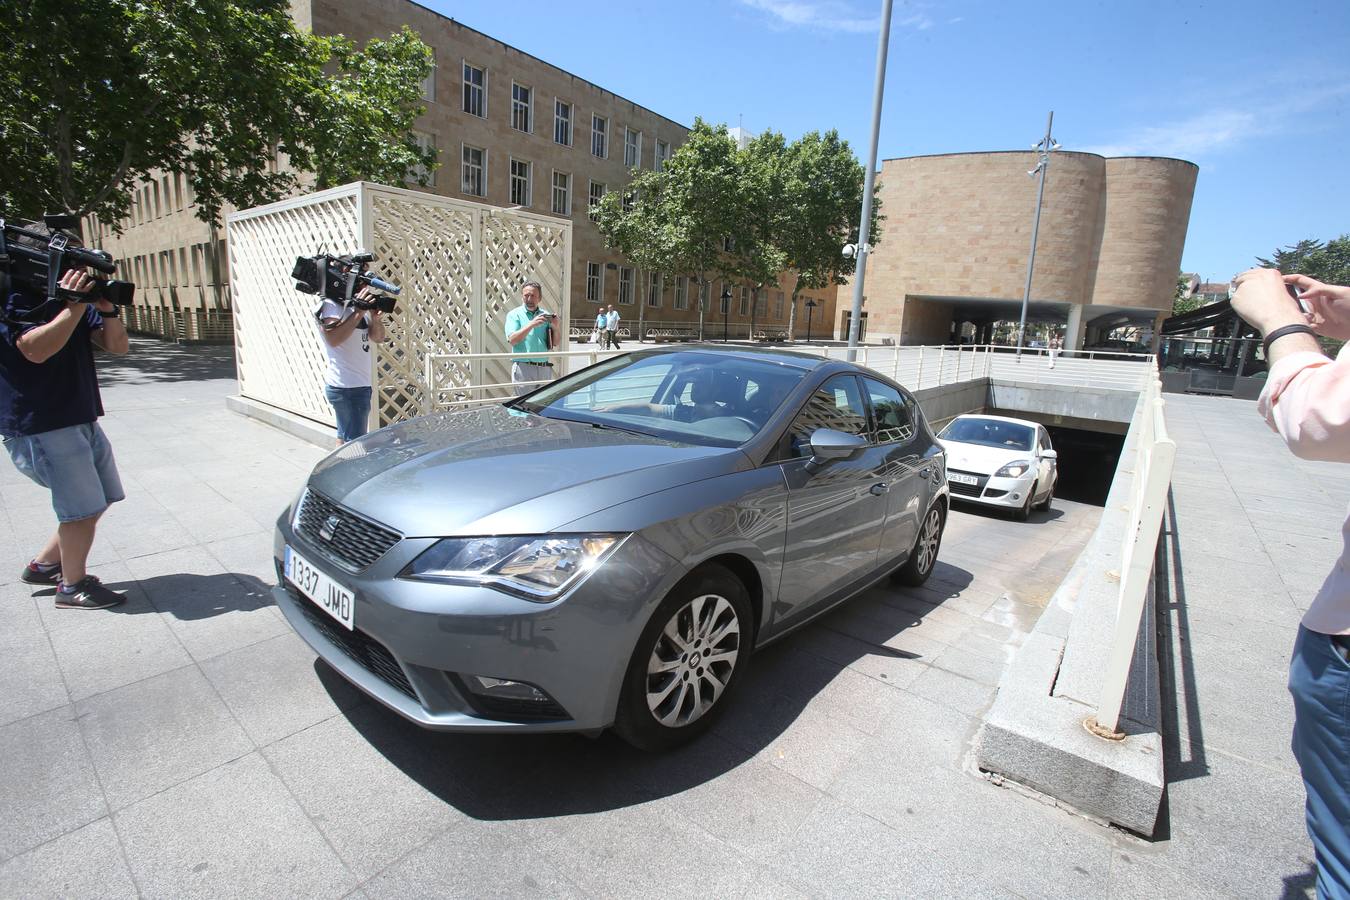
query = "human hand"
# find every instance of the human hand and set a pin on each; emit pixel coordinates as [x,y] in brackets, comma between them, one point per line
[1261,298]
[1328,305]
[77,281]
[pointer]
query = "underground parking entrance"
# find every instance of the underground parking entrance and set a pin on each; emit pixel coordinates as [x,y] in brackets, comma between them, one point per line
[1089,452]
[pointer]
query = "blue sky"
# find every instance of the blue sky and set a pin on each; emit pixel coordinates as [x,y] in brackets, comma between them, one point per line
[1257,94]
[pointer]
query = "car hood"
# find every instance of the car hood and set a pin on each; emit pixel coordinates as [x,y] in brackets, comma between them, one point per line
[494,470]
[980,459]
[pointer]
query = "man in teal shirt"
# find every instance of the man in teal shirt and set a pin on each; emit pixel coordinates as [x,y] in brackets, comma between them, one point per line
[529,330]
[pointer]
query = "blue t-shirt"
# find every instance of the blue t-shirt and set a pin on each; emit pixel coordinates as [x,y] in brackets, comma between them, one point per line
[58,393]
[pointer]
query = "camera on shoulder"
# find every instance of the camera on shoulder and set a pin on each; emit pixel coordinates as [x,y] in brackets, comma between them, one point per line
[340,278]
[37,256]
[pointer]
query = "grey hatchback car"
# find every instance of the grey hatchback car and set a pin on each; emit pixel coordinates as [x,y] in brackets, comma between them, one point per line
[609,549]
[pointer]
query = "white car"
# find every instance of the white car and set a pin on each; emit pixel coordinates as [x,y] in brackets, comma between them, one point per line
[1000,462]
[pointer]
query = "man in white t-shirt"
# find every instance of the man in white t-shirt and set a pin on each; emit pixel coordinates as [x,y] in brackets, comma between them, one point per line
[612,327]
[347,334]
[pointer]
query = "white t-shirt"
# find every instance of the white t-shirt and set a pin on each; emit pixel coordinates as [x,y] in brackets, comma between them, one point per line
[612,321]
[348,362]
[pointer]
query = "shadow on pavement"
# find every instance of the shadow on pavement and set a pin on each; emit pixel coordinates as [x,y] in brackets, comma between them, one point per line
[187,597]
[992,512]
[505,777]
[152,360]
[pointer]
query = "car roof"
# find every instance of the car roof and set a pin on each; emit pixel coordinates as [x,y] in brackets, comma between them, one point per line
[1025,422]
[793,358]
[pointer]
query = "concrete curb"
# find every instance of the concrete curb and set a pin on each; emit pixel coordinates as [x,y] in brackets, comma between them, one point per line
[324,436]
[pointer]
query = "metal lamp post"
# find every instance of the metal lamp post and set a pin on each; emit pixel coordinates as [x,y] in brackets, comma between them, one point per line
[1043,149]
[726,310]
[810,311]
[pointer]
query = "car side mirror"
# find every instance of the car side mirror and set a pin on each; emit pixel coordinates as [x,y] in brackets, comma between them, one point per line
[828,445]
[1049,454]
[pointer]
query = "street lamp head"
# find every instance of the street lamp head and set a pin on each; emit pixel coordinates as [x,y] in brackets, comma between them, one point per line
[1055,146]
[726,293]
[849,250]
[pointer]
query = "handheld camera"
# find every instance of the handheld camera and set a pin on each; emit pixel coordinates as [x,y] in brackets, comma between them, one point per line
[338,278]
[38,259]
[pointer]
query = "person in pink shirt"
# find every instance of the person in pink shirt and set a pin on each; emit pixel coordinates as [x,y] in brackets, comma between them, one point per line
[1307,401]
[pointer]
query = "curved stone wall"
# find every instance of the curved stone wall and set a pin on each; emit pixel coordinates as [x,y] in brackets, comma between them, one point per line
[1145,229]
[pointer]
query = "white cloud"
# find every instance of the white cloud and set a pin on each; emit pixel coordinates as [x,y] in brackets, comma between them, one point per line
[830,15]
[1278,106]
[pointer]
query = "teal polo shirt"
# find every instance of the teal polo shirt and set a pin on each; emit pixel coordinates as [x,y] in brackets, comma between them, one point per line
[536,340]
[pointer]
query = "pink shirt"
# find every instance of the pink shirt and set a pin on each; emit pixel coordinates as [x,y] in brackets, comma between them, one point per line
[1307,400]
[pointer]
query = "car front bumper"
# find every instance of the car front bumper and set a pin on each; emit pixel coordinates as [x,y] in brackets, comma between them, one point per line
[1008,493]
[415,644]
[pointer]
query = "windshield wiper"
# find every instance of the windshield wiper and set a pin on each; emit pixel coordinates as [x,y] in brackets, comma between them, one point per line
[608,427]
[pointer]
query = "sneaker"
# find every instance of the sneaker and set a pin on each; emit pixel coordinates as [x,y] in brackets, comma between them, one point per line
[33,575]
[89,593]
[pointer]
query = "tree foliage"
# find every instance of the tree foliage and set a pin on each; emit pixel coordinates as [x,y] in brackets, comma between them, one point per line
[1183,301]
[743,215]
[101,94]
[1328,262]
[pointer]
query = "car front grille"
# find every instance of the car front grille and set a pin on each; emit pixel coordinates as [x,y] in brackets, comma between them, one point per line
[967,490]
[360,647]
[344,537]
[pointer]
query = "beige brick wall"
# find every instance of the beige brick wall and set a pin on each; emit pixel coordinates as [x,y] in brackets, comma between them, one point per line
[959,226]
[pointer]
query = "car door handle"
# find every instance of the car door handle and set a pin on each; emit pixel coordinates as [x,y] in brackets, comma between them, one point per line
[879,488]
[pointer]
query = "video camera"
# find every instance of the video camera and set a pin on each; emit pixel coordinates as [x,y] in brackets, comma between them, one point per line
[39,260]
[338,278]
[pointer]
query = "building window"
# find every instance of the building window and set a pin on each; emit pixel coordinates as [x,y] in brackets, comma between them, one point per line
[429,83]
[632,148]
[729,245]
[562,193]
[520,182]
[593,197]
[629,200]
[656,286]
[562,123]
[682,292]
[595,282]
[475,91]
[778,306]
[745,301]
[626,285]
[475,171]
[522,110]
[599,136]
[662,154]
[417,173]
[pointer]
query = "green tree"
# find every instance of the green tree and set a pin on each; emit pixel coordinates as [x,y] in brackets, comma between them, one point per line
[1328,262]
[818,212]
[1183,301]
[676,220]
[101,94]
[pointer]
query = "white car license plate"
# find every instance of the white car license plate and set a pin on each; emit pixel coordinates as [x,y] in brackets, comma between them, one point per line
[962,479]
[330,596]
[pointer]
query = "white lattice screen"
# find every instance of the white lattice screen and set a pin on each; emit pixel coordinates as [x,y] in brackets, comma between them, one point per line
[460,266]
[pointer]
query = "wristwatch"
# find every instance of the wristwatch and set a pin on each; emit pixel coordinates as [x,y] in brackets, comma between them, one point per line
[109,315]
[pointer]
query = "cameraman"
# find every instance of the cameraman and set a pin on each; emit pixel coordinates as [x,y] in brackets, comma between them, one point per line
[530,330]
[347,333]
[49,410]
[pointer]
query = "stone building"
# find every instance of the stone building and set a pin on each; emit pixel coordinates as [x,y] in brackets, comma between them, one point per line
[952,260]
[511,130]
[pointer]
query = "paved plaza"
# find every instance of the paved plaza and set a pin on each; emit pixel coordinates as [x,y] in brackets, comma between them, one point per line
[187,744]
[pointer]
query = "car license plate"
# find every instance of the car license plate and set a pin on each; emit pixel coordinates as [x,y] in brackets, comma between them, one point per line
[330,596]
[962,479]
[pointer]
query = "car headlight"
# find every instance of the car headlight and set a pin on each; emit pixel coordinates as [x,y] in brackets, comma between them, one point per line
[1014,469]
[538,567]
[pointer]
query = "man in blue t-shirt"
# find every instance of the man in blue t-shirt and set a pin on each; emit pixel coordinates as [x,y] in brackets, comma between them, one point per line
[49,410]
[529,331]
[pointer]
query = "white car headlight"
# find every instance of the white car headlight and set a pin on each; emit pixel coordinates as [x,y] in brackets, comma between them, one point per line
[1014,469]
[538,567]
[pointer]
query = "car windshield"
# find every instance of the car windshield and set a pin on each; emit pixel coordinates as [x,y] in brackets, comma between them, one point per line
[693,397]
[989,433]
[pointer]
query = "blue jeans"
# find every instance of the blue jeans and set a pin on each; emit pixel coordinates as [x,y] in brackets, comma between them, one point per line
[1319,680]
[74,463]
[352,406]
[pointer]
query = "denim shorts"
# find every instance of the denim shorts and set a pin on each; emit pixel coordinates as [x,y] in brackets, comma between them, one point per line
[75,464]
[352,406]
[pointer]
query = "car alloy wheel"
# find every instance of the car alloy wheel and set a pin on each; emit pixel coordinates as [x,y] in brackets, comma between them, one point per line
[691,653]
[923,556]
[693,660]
[1024,511]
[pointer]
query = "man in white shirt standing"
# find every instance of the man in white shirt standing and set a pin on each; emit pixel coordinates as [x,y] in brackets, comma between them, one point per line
[347,334]
[612,327]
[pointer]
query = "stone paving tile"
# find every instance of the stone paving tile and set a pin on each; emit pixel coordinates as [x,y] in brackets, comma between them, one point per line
[47,785]
[86,862]
[154,734]
[235,830]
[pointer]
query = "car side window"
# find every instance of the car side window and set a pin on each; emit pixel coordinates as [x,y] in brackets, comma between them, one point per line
[892,421]
[837,404]
[1045,440]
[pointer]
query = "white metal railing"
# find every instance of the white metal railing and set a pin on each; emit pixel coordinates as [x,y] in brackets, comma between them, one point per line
[916,367]
[1153,455]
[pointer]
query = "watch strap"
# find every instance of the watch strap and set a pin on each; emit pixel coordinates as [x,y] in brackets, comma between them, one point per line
[1282,331]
